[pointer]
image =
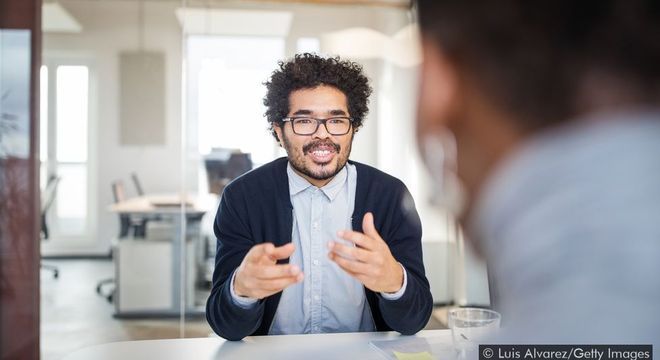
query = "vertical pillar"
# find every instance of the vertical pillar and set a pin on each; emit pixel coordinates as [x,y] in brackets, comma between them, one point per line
[20,57]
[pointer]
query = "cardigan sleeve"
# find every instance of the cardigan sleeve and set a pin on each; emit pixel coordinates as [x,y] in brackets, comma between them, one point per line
[226,318]
[411,312]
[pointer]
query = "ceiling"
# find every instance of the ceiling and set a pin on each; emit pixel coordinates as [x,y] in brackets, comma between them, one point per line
[380,3]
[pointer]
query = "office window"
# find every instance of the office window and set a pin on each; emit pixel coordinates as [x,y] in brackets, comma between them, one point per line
[72,91]
[226,88]
[72,113]
[64,121]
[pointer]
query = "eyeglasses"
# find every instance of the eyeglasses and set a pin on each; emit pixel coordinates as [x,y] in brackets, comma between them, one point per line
[305,125]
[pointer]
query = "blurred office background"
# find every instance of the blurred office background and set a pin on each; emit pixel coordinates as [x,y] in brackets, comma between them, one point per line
[148,108]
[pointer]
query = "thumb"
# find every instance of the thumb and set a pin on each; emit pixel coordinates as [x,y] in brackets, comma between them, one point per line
[368,226]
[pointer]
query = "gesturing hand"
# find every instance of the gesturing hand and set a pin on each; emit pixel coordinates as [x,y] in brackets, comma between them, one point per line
[260,276]
[371,261]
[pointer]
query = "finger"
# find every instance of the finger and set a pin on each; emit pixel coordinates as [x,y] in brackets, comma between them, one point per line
[332,257]
[368,226]
[350,252]
[275,285]
[276,271]
[350,266]
[282,252]
[259,251]
[358,238]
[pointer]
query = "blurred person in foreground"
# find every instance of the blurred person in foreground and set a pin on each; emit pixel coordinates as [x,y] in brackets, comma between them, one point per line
[553,111]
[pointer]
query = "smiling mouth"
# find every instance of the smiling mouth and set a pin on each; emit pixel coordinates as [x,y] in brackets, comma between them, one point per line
[321,153]
[321,156]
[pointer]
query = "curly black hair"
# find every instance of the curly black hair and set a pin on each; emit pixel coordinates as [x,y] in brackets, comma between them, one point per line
[307,71]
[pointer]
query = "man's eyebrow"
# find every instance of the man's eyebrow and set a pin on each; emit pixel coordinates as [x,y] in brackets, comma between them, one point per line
[302,112]
[337,112]
[334,112]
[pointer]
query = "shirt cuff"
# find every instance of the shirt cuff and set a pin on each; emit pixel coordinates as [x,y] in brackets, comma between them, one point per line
[242,301]
[397,295]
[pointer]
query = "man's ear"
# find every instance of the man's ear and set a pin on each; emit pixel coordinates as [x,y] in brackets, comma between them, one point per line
[439,87]
[278,132]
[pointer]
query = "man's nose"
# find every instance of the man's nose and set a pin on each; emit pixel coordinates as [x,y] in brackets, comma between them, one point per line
[321,132]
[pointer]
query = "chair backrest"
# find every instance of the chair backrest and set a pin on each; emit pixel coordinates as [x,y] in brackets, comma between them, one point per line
[118,192]
[49,193]
[138,185]
[119,195]
[238,164]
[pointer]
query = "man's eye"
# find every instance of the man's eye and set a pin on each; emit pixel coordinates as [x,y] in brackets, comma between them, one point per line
[303,121]
[337,120]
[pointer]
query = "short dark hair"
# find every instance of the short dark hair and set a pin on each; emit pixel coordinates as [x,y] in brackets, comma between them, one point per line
[532,57]
[307,71]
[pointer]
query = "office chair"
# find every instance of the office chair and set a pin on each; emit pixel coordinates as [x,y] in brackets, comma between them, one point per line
[224,165]
[140,192]
[126,224]
[138,185]
[47,199]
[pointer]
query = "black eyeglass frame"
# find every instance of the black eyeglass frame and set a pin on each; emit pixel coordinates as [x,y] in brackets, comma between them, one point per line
[318,123]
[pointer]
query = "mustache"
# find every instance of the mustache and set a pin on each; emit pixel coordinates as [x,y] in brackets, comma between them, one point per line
[313,145]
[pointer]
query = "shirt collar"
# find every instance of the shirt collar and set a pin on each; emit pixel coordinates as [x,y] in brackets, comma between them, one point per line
[332,189]
[298,183]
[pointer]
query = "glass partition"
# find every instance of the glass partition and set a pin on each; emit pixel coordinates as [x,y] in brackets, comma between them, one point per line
[149,108]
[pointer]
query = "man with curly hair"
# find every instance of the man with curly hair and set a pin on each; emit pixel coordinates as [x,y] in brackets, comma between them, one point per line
[314,242]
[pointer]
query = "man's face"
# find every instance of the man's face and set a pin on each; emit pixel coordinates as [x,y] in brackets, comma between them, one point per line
[320,156]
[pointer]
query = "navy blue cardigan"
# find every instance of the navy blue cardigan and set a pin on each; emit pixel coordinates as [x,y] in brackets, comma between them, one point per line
[256,208]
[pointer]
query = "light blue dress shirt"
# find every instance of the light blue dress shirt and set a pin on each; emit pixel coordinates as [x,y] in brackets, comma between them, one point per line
[328,299]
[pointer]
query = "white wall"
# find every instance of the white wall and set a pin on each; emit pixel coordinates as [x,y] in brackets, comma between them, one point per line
[110,27]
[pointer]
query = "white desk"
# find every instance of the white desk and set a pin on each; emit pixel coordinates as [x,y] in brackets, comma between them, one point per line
[166,207]
[161,204]
[290,347]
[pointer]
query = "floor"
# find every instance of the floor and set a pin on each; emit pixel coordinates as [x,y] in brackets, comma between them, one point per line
[74,316]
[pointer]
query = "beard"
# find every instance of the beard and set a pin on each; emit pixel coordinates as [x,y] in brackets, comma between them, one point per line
[298,160]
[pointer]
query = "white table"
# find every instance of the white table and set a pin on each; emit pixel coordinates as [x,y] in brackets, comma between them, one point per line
[315,347]
[162,204]
[174,208]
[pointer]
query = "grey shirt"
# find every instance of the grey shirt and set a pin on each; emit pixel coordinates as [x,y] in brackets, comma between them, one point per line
[570,226]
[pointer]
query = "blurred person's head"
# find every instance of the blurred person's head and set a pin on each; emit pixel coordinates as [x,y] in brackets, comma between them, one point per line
[314,107]
[497,72]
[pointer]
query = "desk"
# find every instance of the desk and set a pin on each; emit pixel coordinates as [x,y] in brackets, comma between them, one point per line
[165,207]
[161,204]
[290,347]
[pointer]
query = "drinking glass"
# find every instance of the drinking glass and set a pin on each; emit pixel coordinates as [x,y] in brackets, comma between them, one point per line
[469,326]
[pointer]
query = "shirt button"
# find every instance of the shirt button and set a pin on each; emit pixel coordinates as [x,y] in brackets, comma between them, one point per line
[316,297]
[315,225]
[315,262]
